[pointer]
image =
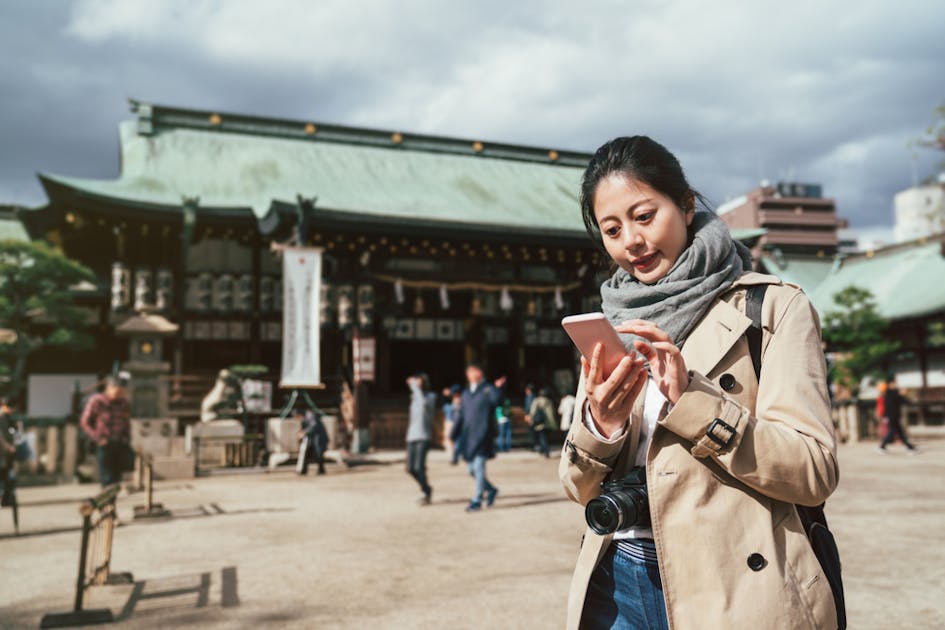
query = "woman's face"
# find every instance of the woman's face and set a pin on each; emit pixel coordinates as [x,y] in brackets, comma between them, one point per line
[643,231]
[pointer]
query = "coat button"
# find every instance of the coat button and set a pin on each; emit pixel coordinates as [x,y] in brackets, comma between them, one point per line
[756,562]
[727,381]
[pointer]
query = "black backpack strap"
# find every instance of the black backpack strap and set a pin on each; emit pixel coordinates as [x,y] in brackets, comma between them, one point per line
[812,519]
[754,300]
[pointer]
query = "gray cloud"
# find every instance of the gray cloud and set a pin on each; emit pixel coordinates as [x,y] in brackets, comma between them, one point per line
[821,92]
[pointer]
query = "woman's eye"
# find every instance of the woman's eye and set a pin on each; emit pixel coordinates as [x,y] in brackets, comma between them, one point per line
[644,217]
[612,231]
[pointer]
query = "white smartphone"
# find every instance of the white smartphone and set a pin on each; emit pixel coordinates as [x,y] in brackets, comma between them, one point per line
[589,329]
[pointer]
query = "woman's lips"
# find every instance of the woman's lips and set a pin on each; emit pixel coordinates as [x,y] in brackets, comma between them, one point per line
[644,263]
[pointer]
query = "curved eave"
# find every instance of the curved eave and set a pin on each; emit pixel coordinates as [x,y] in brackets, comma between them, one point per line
[64,194]
[283,214]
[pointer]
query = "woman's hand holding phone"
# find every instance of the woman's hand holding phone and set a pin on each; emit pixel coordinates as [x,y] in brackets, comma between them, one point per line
[667,365]
[611,399]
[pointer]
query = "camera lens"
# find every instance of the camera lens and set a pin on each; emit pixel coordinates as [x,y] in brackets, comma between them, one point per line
[603,515]
[617,510]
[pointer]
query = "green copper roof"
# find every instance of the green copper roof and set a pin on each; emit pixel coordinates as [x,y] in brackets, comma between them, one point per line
[11,228]
[906,280]
[806,272]
[238,162]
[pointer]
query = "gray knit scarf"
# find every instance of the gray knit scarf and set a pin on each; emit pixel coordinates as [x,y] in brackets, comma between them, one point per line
[677,301]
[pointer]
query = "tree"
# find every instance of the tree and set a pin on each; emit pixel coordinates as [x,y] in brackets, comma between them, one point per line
[36,304]
[857,333]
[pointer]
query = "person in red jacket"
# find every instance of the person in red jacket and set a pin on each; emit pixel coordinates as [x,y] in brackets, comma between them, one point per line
[107,421]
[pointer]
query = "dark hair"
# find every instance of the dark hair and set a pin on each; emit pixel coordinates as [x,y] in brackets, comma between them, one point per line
[9,401]
[641,158]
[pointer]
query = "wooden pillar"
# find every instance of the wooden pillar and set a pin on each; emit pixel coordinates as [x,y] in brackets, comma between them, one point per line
[921,352]
[255,343]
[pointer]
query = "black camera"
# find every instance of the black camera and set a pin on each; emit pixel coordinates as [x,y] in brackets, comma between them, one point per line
[623,503]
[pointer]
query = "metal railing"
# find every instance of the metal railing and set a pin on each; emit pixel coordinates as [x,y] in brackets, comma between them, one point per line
[99,519]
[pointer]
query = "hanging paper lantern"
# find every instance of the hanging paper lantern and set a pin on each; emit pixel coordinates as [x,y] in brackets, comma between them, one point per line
[267,287]
[532,307]
[444,298]
[121,286]
[143,288]
[365,306]
[164,295]
[324,304]
[244,293]
[418,304]
[559,299]
[204,292]
[476,305]
[345,305]
[505,300]
[222,293]
[399,291]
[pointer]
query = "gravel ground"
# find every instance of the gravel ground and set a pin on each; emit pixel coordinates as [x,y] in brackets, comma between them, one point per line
[353,549]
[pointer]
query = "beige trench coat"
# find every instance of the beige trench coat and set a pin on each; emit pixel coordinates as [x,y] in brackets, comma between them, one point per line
[712,506]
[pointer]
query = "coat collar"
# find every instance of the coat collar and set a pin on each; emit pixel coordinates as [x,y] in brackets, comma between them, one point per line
[712,338]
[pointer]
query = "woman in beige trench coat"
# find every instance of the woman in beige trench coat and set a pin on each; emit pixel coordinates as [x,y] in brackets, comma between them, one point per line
[725,458]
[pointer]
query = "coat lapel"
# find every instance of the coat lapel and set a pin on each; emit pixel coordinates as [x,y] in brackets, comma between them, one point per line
[714,336]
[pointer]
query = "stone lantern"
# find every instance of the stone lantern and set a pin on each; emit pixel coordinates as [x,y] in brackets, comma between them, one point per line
[146,333]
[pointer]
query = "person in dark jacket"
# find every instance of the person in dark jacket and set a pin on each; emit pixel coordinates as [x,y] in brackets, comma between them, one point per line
[8,436]
[892,407]
[420,432]
[316,441]
[476,424]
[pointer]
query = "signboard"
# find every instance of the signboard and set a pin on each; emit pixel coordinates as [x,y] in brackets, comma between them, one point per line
[301,281]
[364,359]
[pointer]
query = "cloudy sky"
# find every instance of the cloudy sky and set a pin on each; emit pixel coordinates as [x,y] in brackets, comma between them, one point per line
[829,92]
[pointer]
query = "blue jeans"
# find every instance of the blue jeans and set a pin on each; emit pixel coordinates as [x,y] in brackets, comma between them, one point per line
[624,594]
[110,462]
[504,443]
[477,468]
[458,446]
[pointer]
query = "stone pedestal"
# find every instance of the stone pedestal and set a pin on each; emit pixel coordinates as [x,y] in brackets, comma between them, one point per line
[153,436]
[282,436]
[52,450]
[70,448]
[214,437]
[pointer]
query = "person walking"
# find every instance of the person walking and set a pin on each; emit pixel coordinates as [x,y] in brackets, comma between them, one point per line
[476,426]
[106,420]
[722,462]
[530,392]
[8,458]
[892,401]
[314,438]
[541,418]
[503,417]
[566,411]
[420,432]
[450,412]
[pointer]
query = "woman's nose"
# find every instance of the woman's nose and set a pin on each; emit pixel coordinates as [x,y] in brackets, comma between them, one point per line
[633,240]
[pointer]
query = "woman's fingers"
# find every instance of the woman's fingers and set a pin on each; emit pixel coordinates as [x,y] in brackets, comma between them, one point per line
[631,386]
[594,372]
[648,331]
[604,390]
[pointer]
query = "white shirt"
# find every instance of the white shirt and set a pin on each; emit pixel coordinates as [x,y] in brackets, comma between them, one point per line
[653,405]
[566,411]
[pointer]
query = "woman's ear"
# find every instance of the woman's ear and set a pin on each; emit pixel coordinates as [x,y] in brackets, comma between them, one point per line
[690,208]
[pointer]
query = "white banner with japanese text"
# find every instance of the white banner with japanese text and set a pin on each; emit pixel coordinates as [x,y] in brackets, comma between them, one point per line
[301,332]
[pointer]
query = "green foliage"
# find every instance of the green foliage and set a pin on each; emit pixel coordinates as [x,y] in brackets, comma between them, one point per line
[857,333]
[36,305]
